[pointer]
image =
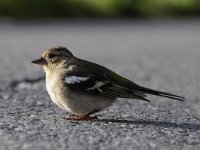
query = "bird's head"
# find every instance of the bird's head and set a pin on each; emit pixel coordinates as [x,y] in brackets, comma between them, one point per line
[54,58]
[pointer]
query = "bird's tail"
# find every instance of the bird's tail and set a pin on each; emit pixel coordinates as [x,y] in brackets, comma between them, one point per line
[159,93]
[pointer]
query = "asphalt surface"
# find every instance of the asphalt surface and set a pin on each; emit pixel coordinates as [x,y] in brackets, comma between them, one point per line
[164,55]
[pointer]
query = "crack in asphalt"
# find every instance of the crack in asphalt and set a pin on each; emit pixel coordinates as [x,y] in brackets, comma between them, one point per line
[15,83]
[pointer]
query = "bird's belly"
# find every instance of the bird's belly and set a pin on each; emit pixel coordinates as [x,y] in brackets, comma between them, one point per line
[75,102]
[82,104]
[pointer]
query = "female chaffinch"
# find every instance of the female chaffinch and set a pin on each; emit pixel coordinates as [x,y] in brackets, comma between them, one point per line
[83,88]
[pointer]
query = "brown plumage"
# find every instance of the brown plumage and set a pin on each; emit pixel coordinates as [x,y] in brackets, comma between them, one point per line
[82,87]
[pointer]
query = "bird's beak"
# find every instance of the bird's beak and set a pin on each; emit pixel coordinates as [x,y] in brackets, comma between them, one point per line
[40,61]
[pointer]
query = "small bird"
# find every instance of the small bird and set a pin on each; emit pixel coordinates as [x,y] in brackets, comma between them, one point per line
[84,88]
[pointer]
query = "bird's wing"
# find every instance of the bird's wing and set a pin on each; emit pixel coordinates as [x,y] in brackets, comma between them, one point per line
[94,85]
[95,79]
[98,82]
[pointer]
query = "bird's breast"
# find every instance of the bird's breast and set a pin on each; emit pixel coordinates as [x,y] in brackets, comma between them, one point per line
[54,89]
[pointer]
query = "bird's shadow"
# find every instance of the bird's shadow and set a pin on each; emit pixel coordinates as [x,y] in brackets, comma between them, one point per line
[163,124]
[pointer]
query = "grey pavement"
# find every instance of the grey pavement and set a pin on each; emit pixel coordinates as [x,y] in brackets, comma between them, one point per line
[164,55]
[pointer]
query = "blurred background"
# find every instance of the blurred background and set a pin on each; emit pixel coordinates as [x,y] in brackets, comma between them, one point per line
[34,9]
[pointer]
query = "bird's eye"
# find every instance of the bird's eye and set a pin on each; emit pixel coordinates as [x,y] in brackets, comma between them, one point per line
[52,55]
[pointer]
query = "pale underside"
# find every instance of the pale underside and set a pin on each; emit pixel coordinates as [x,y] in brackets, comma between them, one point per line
[74,102]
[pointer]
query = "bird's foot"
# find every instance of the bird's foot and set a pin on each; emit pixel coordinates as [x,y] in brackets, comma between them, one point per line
[86,117]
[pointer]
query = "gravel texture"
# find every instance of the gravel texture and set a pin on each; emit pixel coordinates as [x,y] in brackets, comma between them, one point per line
[163,55]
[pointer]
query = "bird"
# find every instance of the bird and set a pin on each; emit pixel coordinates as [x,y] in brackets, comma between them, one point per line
[83,88]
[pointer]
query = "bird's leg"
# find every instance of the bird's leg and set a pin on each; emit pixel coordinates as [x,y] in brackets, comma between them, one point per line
[73,116]
[86,117]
